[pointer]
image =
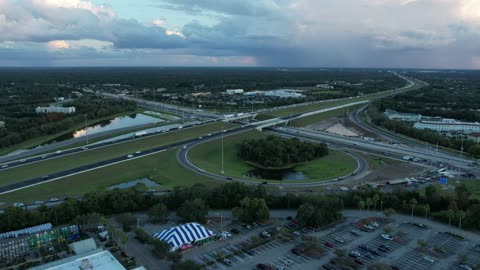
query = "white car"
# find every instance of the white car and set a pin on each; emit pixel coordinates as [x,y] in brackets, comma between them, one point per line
[4,166]
[426,258]
[18,204]
[129,156]
[54,199]
[387,237]
[344,189]
[368,226]
[374,224]
[226,234]
[38,202]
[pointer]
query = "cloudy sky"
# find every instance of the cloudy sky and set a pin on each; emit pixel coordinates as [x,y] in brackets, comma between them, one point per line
[294,33]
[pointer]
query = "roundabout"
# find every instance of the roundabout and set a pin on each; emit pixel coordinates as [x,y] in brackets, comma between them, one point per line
[205,158]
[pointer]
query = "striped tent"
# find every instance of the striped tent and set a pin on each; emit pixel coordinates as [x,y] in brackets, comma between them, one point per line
[184,234]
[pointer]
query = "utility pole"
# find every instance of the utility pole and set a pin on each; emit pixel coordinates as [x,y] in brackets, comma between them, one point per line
[222,151]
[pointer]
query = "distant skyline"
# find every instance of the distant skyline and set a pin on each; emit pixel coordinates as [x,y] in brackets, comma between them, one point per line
[440,34]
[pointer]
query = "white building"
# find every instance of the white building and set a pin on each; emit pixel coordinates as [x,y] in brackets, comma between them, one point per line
[53,109]
[283,93]
[324,86]
[2,124]
[409,117]
[234,91]
[449,125]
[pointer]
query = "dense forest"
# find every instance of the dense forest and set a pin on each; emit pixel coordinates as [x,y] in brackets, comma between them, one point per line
[192,79]
[277,152]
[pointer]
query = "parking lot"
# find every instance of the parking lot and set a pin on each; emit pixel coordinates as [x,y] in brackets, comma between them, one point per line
[402,250]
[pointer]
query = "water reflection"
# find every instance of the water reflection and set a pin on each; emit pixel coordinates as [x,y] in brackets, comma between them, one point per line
[287,174]
[117,123]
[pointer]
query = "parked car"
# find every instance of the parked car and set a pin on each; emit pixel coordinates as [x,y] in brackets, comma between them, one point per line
[329,244]
[387,237]
[250,252]
[466,267]
[428,259]
[355,232]
[328,267]
[297,251]
[368,226]
[228,262]
[339,240]
[355,254]
[359,261]
[262,266]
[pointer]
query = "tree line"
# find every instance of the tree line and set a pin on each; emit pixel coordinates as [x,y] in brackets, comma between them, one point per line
[22,123]
[276,152]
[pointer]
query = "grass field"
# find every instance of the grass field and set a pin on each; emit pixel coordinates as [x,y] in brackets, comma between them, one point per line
[162,168]
[473,185]
[47,167]
[313,119]
[208,157]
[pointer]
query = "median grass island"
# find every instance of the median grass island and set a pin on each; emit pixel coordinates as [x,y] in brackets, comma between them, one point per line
[271,158]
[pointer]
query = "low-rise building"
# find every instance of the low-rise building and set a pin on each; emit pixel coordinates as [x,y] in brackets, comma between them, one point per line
[53,109]
[409,117]
[449,125]
[2,124]
[234,91]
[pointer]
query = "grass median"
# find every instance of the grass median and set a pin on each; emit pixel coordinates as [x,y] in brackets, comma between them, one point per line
[208,156]
[162,168]
[18,174]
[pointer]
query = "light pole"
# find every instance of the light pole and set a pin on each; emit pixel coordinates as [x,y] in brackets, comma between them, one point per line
[222,150]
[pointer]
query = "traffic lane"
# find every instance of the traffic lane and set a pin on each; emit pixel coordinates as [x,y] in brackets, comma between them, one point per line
[48,156]
[59,175]
[379,147]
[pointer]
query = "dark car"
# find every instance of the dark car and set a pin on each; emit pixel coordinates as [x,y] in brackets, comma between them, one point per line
[297,251]
[235,231]
[359,261]
[364,247]
[329,244]
[394,267]
[262,266]
[374,252]
[229,178]
[250,252]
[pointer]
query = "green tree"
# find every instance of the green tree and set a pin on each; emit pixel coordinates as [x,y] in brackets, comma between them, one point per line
[127,220]
[450,214]
[160,248]
[412,203]
[462,258]
[427,208]
[375,199]
[460,215]
[340,252]
[174,257]
[195,210]
[186,265]
[389,211]
[387,229]
[251,210]
[422,243]
[369,203]
[379,266]
[158,213]
[361,205]
[439,248]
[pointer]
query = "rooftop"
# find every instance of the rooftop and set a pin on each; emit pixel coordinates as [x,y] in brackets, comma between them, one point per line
[97,259]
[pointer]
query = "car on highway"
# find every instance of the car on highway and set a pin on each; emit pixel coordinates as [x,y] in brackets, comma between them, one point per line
[18,204]
[4,166]
[200,138]
[54,199]
[138,152]
[45,177]
[58,152]
[344,189]
[38,202]
[229,178]
[428,259]
[129,156]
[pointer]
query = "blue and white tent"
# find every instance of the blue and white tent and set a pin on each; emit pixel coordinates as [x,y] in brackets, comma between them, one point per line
[184,234]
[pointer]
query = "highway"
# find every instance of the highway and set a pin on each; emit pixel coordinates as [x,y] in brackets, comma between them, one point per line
[93,166]
[357,143]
